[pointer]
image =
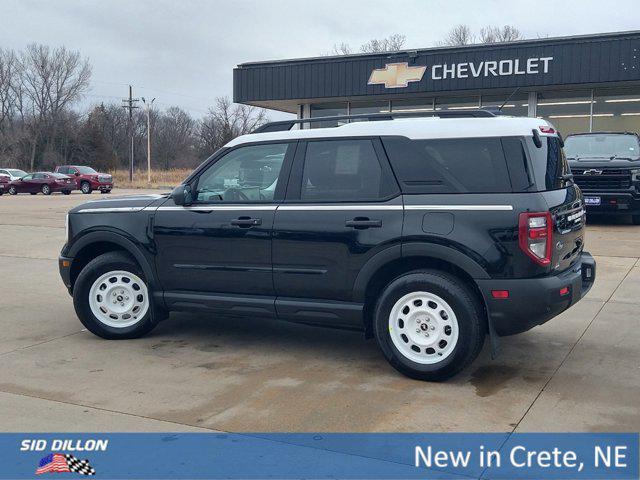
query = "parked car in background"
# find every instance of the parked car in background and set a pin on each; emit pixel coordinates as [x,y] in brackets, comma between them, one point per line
[606,167]
[42,182]
[13,173]
[87,179]
[4,183]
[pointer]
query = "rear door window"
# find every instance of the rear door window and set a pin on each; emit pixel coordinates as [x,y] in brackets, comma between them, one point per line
[460,165]
[344,170]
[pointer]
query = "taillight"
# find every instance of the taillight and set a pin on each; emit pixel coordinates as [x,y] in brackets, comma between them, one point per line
[536,236]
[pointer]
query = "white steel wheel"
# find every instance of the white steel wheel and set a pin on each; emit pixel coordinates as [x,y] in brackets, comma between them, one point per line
[119,299]
[423,327]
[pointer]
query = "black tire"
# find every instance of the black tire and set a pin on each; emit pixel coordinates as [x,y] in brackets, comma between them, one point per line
[97,267]
[66,192]
[46,189]
[13,191]
[85,187]
[635,219]
[464,303]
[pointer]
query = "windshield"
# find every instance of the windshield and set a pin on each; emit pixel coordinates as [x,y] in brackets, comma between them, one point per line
[16,173]
[86,170]
[602,145]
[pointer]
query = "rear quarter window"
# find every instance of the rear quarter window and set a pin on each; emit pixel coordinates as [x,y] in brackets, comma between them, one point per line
[460,165]
[549,163]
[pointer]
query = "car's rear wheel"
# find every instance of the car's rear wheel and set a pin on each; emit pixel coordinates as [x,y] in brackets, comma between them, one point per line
[85,187]
[112,298]
[13,190]
[46,189]
[429,325]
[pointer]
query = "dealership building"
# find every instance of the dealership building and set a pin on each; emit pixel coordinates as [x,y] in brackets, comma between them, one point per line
[580,83]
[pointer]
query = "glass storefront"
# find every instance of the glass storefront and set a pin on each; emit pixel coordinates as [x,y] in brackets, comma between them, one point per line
[616,110]
[457,103]
[359,108]
[517,105]
[327,110]
[571,111]
[413,105]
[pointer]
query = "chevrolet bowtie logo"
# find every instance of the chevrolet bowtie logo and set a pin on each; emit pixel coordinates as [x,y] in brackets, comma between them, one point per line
[396,75]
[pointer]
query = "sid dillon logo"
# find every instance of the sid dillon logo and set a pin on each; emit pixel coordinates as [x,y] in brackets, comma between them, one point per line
[59,461]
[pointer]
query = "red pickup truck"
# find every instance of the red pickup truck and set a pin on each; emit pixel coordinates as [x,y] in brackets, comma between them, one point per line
[87,179]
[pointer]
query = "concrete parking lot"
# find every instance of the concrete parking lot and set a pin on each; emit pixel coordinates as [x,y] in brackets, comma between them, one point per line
[579,372]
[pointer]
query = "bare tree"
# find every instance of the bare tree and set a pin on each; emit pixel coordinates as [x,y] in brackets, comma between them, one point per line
[341,49]
[8,84]
[457,36]
[392,43]
[174,137]
[50,81]
[463,35]
[492,34]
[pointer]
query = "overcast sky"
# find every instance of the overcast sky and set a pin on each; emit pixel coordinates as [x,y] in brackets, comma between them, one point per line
[183,52]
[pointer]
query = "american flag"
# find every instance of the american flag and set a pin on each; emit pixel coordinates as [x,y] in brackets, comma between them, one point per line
[60,463]
[54,462]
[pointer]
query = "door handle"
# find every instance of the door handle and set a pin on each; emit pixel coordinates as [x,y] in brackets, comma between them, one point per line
[246,222]
[360,223]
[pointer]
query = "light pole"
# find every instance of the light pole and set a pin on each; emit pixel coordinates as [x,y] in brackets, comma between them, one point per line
[148,108]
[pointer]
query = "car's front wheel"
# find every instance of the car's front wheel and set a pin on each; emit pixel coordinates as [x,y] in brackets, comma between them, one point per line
[429,325]
[46,189]
[85,187]
[112,298]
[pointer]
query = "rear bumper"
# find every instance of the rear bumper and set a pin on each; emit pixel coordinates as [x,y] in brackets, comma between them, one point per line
[534,301]
[623,202]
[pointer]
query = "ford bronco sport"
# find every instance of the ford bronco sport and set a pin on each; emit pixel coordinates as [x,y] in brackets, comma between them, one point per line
[427,233]
[606,167]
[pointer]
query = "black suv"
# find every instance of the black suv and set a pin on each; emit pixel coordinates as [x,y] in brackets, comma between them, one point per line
[606,166]
[427,233]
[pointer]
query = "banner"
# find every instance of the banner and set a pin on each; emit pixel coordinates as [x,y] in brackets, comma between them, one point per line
[320,455]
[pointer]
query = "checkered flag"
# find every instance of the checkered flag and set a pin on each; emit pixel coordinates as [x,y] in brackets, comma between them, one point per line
[79,466]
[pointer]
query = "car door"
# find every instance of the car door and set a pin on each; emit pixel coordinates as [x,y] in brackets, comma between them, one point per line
[221,244]
[35,184]
[25,184]
[342,207]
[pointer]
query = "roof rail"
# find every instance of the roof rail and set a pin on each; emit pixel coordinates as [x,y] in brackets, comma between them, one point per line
[284,125]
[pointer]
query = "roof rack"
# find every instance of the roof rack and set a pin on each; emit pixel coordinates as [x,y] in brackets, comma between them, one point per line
[284,125]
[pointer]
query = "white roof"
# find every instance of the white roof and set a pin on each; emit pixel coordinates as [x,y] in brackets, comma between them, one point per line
[414,128]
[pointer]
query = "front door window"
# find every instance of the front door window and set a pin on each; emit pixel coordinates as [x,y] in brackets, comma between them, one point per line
[247,174]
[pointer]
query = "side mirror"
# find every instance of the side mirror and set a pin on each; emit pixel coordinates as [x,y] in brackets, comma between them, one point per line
[77,174]
[181,195]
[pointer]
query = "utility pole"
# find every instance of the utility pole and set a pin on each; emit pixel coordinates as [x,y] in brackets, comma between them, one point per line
[129,104]
[148,105]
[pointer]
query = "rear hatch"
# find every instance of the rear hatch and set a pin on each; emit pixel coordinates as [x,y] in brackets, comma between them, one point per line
[564,200]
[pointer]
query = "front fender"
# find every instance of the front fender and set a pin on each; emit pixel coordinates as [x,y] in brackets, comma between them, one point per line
[117,238]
